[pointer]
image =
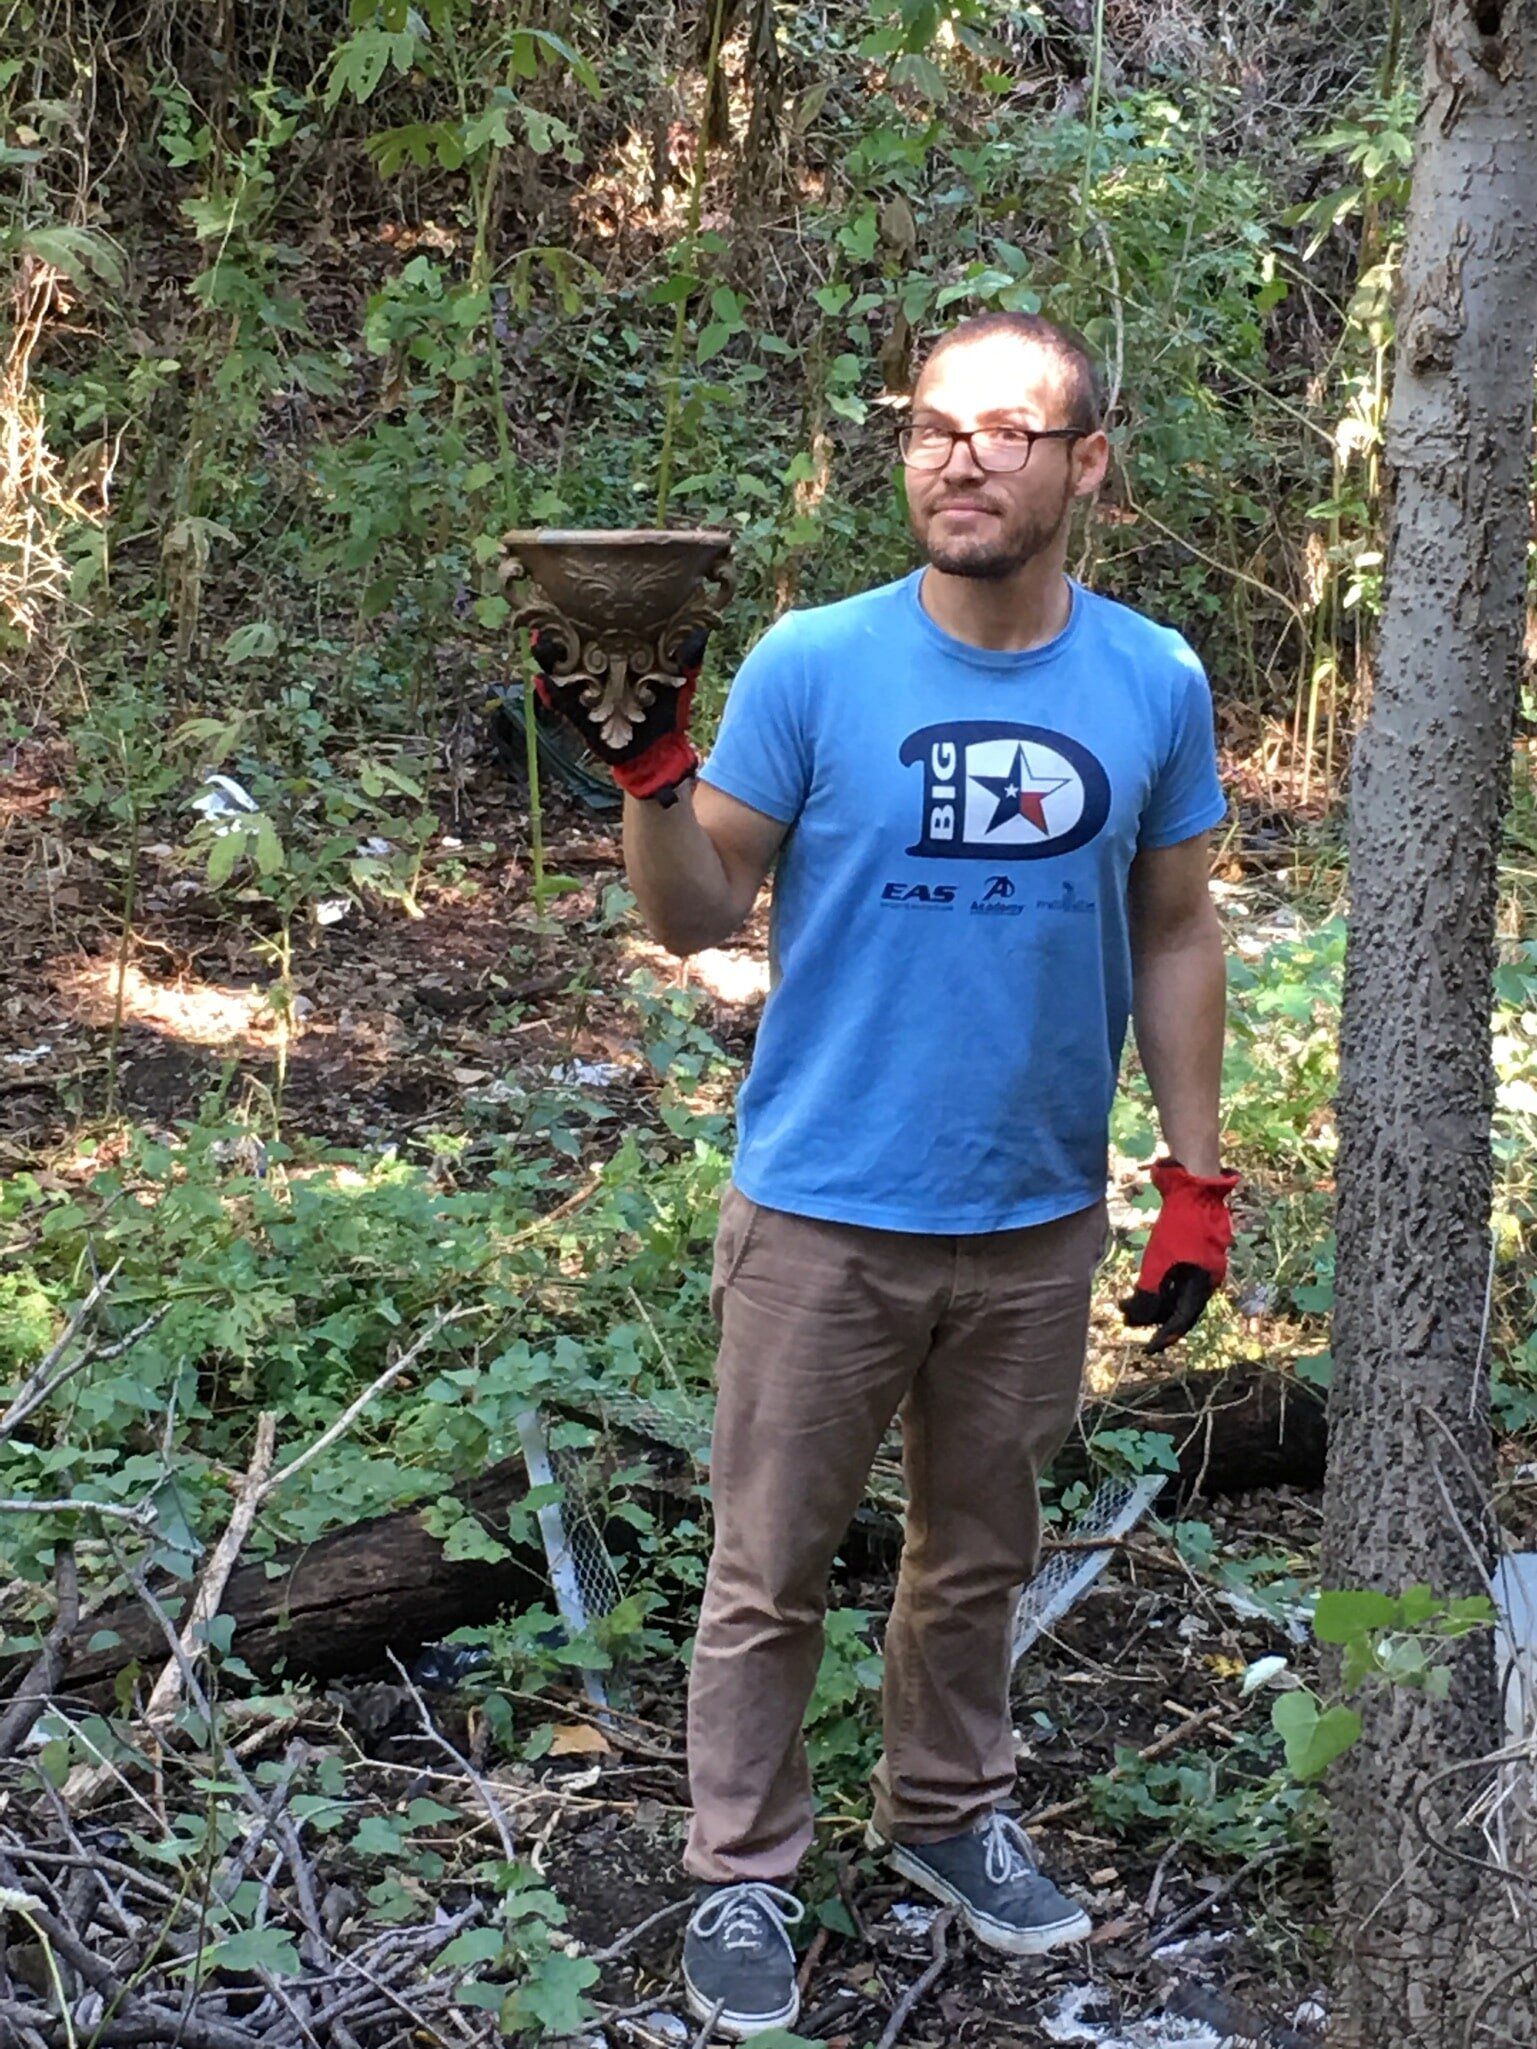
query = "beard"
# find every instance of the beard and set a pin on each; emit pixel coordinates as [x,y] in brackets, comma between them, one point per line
[989,558]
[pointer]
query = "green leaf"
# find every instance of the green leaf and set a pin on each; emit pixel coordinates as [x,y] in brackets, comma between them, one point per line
[712,340]
[269,848]
[255,1949]
[474,1946]
[557,46]
[1313,1738]
[247,643]
[551,1997]
[1343,1613]
[672,290]
[80,253]
[222,856]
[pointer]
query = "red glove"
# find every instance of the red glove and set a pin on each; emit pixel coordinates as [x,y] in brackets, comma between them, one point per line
[659,754]
[1186,1257]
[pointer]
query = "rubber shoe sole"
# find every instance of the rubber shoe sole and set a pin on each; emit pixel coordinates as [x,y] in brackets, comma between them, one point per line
[740,2027]
[1014,1942]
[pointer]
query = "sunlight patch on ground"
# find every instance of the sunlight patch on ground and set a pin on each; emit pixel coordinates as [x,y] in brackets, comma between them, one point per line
[193,1012]
[730,974]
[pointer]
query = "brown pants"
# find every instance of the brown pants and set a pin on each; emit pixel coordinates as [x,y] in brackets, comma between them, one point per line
[826,1331]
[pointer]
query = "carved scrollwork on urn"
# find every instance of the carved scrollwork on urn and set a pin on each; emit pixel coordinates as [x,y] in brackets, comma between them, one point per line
[620,605]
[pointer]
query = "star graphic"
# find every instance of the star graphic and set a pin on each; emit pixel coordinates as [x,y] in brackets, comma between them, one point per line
[1021,793]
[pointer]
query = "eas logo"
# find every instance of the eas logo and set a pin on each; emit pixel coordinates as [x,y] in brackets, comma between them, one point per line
[994,791]
[940,893]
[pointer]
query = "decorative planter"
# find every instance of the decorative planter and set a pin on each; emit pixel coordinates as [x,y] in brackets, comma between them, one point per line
[620,606]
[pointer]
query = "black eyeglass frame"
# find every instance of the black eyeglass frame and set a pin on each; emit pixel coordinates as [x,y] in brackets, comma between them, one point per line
[1031,435]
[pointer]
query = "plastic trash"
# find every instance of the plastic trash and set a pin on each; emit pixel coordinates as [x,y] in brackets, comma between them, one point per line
[224,802]
[442,1666]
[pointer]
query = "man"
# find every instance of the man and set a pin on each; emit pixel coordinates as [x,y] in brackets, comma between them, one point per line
[988,791]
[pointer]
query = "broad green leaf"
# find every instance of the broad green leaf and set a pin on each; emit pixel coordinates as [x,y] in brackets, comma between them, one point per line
[474,1946]
[81,253]
[712,340]
[222,856]
[551,1997]
[255,1949]
[246,643]
[1313,1738]
[269,848]
[1344,1612]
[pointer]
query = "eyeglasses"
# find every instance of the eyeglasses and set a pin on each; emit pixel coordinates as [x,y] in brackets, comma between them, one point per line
[997,449]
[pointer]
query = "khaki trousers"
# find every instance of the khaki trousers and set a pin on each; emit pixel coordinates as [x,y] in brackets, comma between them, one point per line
[827,1330]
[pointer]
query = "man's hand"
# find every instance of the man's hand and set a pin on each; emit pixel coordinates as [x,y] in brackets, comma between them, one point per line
[659,753]
[1186,1257]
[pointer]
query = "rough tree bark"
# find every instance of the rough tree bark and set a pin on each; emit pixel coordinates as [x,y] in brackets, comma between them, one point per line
[1430,1949]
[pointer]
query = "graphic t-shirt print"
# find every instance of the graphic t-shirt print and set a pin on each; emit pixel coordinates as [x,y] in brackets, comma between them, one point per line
[998,791]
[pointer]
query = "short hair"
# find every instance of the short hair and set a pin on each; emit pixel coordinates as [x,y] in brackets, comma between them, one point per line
[1086,390]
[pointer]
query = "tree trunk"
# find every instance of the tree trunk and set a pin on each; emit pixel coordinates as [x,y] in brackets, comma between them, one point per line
[1410,1459]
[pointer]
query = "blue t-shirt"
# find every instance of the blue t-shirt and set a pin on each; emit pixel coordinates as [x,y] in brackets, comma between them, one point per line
[950,965]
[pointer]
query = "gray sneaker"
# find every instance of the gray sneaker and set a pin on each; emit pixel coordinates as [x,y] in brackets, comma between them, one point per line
[737,1956]
[990,1873]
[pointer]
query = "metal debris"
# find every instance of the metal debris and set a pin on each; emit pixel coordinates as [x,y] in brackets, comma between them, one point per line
[1117,1505]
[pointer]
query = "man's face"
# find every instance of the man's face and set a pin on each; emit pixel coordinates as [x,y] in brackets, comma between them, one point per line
[971,522]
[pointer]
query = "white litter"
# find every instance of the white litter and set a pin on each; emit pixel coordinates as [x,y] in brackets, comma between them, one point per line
[224,802]
[1310,2016]
[377,847]
[1260,1673]
[587,1074]
[911,1919]
[499,1091]
[29,1058]
[1193,1945]
[661,2026]
[332,909]
[1081,2015]
[1292,1616]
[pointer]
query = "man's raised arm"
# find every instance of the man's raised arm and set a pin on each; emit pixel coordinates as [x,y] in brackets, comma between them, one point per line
[696,866]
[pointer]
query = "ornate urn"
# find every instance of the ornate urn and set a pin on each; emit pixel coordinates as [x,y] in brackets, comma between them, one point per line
[620,605]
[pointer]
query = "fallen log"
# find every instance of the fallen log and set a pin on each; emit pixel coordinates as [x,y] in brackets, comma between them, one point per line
[335,1606]
[1252,1426]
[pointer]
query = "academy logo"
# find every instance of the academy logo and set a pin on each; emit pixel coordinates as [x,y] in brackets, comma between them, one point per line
[996,899]
[994,791]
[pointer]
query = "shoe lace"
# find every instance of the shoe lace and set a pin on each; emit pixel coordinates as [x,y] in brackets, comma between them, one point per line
[742,1915]
[1009,1855]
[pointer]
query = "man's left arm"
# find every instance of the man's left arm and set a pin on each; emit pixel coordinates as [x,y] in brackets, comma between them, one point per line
[1179,1001]
[1179,996]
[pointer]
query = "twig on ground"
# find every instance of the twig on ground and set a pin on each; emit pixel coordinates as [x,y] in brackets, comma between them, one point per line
[811,1959]
[47,1668]
[215,1576]
[36,1388]
[707,2029]
[1156,1939]
[354,1409]
[1155,1890]
[131,2006]
[633,1935]
[487,1796]
[939,1942]
[1169,1740]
